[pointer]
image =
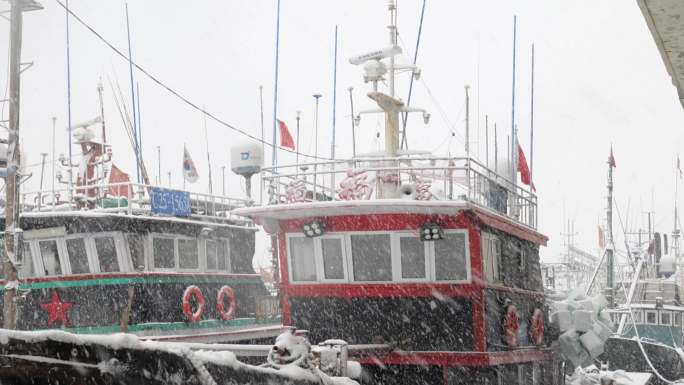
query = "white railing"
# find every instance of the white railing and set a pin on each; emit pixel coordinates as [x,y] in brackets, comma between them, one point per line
[409,177]
[128,198]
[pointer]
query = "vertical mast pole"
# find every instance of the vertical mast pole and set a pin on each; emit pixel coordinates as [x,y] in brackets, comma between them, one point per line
[487,140]
[316,96]
[496,150]
[513,141]
[159,177]
[334,111]
[609,230]
[297,153]
[140,151]
[206,139]
[261,109]
[467,122]
[135,121]
[54,124]
[351,103]
[532,121]
[274,157]
[223,181]
[68,57]
[13,161]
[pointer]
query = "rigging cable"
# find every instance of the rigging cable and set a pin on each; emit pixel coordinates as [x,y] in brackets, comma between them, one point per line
[404,141]
[177,94]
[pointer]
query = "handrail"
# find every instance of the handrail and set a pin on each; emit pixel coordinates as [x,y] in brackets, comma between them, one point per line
[124,197]
[458,178]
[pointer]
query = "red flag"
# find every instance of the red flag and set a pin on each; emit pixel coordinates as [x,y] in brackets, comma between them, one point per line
[601,238]
[118,176]
[611,158]
[285,137]
[524,170]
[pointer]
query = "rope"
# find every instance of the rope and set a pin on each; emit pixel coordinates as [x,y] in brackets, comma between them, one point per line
[178,94]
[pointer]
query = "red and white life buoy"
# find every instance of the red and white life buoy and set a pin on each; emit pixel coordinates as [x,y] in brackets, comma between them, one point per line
[511,325]
[193,291]
[220,303]
[537,327]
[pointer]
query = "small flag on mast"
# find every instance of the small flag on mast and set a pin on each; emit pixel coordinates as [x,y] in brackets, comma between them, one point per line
[524,169]
[601,238]
[118,176]
[285,136]
[189,170]
[611,158]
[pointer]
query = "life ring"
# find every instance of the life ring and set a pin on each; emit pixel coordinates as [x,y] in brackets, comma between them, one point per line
[538,327]
[220,300]
[193,291]
[511,325]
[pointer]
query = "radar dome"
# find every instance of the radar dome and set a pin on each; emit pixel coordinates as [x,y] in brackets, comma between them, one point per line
[246,159]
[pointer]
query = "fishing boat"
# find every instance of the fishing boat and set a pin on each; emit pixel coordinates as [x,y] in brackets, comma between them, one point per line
[102,254]
[433,260]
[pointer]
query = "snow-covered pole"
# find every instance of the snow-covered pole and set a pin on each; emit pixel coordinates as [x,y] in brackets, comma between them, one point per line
[609,230]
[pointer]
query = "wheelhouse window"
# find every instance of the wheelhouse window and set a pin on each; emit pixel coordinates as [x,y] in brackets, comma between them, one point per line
[78,255]
[49,253]
[302,257]
[638,317]
[665,318]
[164,253]
[217,255]
[450,257]
[136,249]
[651,317]
[188,255]
[491,255]
[371,257]
[106,254]
[378,257]
[26,269]
[413,257]
[677,318]
[332,251]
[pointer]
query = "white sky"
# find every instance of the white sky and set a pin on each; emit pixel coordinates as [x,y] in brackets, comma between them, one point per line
[599,80]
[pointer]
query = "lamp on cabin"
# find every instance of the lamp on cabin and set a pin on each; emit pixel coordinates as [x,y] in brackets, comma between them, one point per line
[431,232]
[313,229]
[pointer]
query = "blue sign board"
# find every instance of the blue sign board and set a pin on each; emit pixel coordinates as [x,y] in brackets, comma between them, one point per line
[170,202]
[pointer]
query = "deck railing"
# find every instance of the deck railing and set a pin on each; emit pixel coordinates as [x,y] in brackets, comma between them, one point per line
[128,198]
[407,177]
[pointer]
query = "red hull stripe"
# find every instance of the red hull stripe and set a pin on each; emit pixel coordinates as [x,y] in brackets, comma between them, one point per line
[461,358]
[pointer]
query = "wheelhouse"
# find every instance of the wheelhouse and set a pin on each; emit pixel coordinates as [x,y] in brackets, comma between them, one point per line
[467,298]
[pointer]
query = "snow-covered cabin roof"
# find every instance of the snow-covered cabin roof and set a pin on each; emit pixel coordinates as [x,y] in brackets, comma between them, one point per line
[665,20]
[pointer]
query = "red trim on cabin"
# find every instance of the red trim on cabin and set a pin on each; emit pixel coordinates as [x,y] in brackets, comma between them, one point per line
[284,279]
[479,337]
[461,358]
[510,227]
[379,222]
[81,277]
[354,290]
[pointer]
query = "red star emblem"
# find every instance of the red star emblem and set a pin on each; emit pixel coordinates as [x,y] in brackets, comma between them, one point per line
[57,310]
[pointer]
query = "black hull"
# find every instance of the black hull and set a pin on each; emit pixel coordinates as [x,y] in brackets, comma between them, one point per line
[62,358]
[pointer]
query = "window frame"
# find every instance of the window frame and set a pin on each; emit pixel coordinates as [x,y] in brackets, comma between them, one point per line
[124,266]
[395,257]
[318,258]
[64,263]
[660,317]
[89,253]
[176,248]
[175,252]
[204,259]
[395,244]
[468,278]
[655,314]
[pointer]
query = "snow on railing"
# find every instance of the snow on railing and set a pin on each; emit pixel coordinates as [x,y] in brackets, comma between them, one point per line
[128,198]
[404,177]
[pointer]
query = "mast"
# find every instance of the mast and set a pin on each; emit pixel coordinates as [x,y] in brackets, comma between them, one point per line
[467,122]
[610,284]
[274,156]
[532,120]
[513,141]
[135,121]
